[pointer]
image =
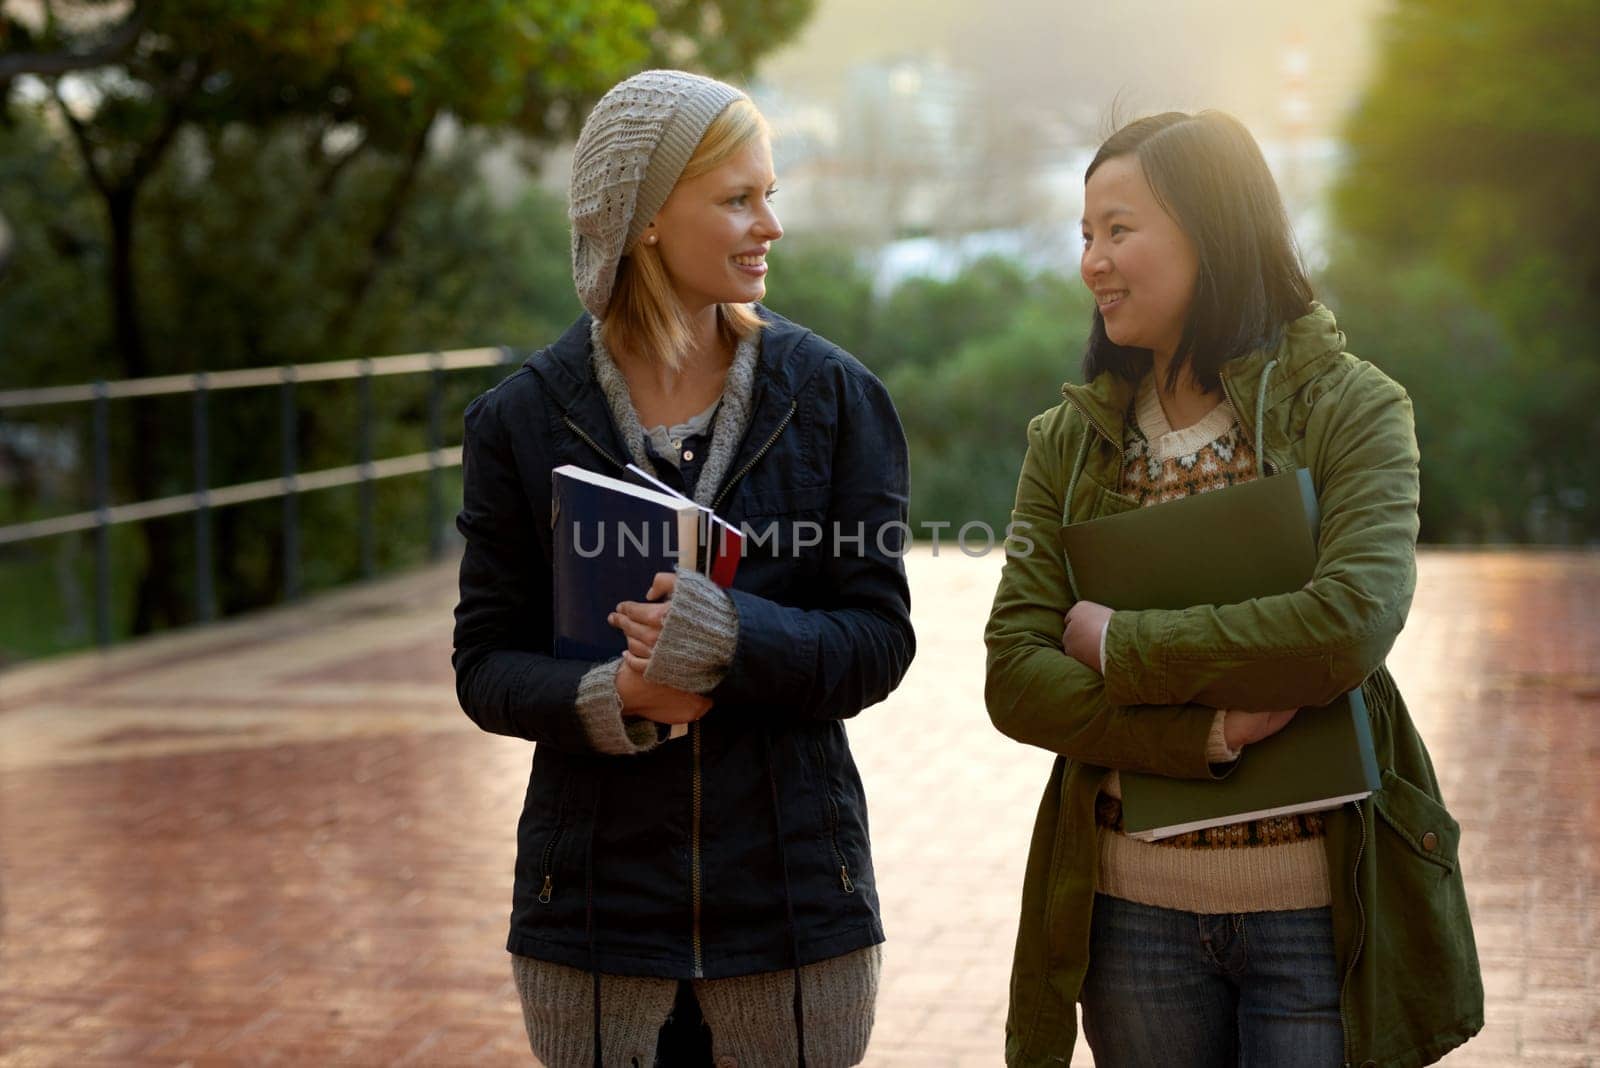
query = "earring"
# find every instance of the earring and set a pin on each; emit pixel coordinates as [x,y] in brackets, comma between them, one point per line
[650,239]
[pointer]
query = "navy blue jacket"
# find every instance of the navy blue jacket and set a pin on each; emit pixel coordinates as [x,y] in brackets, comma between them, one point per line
[607,847]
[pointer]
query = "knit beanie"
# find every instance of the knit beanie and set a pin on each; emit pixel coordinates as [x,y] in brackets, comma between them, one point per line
[630,153]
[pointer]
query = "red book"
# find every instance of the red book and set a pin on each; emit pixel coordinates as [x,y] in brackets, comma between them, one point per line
[721,543]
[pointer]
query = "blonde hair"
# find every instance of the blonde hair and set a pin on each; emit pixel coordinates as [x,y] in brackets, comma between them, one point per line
[645,317]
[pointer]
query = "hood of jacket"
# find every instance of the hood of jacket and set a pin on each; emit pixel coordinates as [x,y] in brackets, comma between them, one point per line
[783,366]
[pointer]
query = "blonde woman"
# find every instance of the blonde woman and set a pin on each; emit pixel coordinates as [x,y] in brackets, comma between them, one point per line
[725,875]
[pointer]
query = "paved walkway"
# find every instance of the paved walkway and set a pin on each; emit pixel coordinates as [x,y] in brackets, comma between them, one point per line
[278,841]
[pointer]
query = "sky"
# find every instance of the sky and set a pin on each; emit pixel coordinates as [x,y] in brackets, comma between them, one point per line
[1078,59]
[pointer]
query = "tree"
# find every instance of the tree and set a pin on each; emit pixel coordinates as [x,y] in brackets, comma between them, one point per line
[927,320]
[826,288]
[338,102]
[966,401]
[1477,148]
[1424,328]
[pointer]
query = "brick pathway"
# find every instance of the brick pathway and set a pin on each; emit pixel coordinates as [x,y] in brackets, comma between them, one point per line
[278,842]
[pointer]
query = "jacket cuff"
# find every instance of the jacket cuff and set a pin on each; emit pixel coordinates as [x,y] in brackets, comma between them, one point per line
[599,709]
[1132,678]
[698,636]
[1217,751]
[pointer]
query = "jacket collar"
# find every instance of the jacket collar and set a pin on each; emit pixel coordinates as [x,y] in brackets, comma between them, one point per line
[789,355]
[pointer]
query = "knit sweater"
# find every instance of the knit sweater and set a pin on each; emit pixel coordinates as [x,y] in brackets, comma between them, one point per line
[1260,866]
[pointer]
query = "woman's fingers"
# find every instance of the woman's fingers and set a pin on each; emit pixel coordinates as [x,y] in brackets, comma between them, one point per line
[639,622]
[1245,728]
[662,586]
[1086,622]
[641,612]
[1238,729]
[653,701]
[635,633]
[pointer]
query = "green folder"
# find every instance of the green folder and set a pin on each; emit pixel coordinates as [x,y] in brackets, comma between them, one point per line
[1254,539]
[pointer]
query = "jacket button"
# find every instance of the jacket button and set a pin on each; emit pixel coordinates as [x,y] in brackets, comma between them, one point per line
[688,454]
[1430,842]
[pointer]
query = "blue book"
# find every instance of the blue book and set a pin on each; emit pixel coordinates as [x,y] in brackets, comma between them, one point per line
[611,537]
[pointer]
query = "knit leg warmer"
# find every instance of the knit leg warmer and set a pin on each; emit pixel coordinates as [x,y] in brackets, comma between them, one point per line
[557,1009]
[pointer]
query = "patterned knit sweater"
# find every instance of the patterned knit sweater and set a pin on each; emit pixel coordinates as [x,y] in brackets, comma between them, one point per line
[1260,866]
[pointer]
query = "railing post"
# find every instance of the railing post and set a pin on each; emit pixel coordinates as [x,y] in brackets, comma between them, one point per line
[435,472]
[205,600]
[102,507]
[291,493]
[365,521]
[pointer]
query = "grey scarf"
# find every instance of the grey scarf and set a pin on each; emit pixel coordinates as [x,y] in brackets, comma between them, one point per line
[727,430]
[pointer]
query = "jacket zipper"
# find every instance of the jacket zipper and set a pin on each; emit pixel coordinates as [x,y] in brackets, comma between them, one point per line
[1092,421]
[694,728]
[1361,930]
[576,429]
[546,863]
[833,820]
[727,486]
[694,851]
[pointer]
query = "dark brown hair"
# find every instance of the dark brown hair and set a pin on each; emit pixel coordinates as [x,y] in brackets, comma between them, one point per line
[1207,172]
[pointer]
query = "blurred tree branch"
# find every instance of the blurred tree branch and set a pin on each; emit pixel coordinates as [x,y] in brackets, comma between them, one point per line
[109,47]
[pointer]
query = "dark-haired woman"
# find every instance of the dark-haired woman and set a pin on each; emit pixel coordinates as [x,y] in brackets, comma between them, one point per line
[1335,938]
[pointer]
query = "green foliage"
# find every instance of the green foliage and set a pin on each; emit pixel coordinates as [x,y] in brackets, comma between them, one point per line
[54,313]
[966,415]
[461,272]
[1423,327]
[968,359]
[259,182]
[926,319]
[825,287]
[1474,156]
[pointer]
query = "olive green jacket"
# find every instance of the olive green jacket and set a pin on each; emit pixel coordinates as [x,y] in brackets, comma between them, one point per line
[1411,988]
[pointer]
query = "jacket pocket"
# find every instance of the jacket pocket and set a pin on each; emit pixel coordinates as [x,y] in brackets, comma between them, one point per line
[830,817]
[1419,931]
[1422,823]
[547,857]
[787,525]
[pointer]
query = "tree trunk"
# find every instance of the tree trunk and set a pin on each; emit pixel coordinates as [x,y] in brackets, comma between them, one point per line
[379,246]
[159,601]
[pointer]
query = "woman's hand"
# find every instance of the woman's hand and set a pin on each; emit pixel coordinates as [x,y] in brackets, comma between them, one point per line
[1086,622]
[641,622]
[655,702]
[1239,729]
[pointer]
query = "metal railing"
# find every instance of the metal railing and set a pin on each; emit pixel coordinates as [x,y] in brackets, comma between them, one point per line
[293,482]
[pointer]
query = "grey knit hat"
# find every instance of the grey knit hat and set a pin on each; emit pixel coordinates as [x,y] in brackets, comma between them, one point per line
[632,149]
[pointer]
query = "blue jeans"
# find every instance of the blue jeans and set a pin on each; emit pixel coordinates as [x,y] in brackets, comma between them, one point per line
[1253,989]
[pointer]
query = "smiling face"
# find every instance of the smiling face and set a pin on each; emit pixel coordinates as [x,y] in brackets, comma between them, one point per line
[715,229]
[1138,263]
